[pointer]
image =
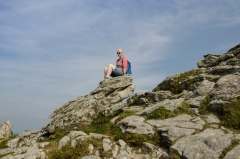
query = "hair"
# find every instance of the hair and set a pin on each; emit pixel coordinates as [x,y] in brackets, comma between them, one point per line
[120,50]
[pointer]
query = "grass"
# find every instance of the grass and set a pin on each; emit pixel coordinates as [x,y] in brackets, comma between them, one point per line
[3,144]
[163,113]
[123,115]
[135,100]
[230,116]
[57,136]
[203,106]
[181,82]
[68,152]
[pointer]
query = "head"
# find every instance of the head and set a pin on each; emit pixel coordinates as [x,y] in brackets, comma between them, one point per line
[120,53]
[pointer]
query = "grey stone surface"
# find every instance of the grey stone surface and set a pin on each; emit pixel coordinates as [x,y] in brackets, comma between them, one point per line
[107,144]
[211,118]
[207,144]
[124,155]
[226,88]
[74,134]
[121,143]
[135,125]
[109,93]
[14,142]
[234,153]
[168,104]
[6,130]
[63,142]
[181,121]
[196,101]
[172,133]
[91,157]
[35,153]
[204,87]
[78,140]
[6,151]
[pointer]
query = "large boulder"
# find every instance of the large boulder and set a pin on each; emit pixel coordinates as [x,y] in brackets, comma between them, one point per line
[6,130]
[106,99]
[208,144]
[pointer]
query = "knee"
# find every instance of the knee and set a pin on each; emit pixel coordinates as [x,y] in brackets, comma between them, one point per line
[110,65]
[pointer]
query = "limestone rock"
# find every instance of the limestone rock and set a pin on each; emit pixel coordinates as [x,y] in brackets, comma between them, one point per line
[203,88]
[181,121]
[6,130]
[124,155]
[105,99]
[168,104]
[34,153]
[107,144]
[211,118]
[207,144]
[63,142]
[226,88]
[91,157]
[135,125]
[234,153]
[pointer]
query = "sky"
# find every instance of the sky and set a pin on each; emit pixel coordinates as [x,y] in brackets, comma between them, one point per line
[54,51]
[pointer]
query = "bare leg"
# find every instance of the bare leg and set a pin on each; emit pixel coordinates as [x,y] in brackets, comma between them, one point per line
[108,70]
[105,72]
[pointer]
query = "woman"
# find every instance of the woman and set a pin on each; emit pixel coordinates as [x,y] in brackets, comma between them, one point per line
[119,69]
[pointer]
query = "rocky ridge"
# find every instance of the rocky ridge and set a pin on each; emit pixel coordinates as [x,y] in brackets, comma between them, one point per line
[191,115]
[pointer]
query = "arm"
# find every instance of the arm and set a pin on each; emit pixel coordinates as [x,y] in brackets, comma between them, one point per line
[124,65]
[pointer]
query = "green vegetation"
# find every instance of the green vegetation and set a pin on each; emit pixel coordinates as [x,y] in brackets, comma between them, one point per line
[123,115]
[57,136]
[135,100]
[181,82]
[231,115]
[102,125]
[163,113]
[174,155]
[3,143]
[69,152]
[203,107]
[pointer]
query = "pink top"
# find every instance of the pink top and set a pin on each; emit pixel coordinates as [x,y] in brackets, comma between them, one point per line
[121,63]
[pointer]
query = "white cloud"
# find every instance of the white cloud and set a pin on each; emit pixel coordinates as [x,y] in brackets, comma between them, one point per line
[52,51]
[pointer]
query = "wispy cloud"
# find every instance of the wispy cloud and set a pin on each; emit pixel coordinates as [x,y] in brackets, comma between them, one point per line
[52,51]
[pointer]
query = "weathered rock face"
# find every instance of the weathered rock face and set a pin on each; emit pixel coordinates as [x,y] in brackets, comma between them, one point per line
[6,130]
[207,144]
[106,99]
[172,116]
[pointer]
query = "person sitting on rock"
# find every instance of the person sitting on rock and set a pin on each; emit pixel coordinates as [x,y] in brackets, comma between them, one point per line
[119,69]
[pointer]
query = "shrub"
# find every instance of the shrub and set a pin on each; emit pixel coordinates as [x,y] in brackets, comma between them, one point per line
[57,136]
[123,115]
[3,143]
[203,107]
[135,100]
[181,82]
[163,113]
[231,115]
[68,152]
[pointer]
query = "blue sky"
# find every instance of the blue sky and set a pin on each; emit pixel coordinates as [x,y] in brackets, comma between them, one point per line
[54,51]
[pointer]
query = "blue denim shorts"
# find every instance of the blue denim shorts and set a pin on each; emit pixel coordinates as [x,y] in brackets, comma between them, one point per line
[116,72]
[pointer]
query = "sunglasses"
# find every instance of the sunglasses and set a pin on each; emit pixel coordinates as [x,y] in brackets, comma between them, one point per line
[118,52]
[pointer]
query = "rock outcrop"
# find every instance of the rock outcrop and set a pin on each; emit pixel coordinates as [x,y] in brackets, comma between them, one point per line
[6,130]
[190,115]
[106,99]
